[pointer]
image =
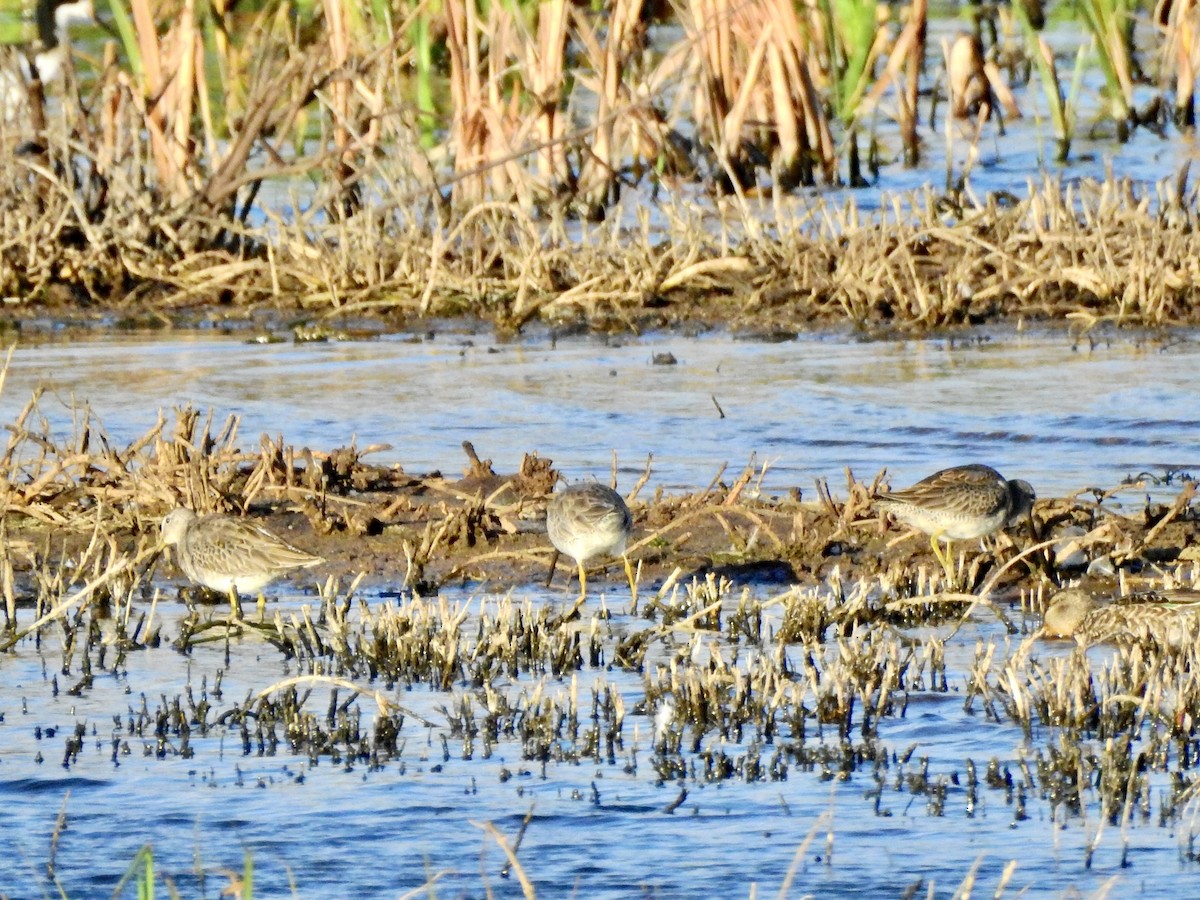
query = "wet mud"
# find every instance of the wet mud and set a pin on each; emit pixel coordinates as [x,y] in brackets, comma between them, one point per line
[484,529]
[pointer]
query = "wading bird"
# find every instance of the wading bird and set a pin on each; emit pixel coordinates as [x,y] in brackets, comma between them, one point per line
[229,555]
[588,520]
[960,503]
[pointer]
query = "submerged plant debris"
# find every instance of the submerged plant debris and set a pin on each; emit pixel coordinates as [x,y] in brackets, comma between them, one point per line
[823,653]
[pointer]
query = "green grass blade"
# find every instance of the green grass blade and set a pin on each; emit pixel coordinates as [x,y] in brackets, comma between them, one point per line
[125,29]
[1049,79]
[248,877]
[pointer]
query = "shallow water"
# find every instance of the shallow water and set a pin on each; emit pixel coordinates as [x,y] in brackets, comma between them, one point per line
[1032,404]
[1039,406]
[597,829]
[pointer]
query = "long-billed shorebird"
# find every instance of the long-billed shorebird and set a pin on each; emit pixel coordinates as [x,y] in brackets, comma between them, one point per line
[960,503]
[229,555]
[589,520]
[1170,617]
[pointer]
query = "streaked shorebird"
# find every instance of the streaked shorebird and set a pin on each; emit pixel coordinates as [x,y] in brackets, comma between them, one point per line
[1169,617]
[229,555]
[46,57]
[589,520]
[960,503]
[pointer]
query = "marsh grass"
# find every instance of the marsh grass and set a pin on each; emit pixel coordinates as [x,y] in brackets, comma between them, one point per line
[1087,253]
[144,878]
[1063,107]
[1110,24]
[280,170]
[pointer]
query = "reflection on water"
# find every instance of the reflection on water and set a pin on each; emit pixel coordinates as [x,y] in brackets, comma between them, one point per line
[1032,405]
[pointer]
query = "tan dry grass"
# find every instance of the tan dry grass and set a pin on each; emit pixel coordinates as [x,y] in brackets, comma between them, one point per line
[1086,254]
[367,220]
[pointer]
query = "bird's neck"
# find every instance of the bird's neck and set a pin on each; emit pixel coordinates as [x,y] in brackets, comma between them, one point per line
[55,17]
[49,63]
[49,31]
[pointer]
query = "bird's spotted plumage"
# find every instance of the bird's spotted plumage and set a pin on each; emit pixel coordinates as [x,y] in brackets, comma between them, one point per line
[960,503]
[224,553]
[589,520]
[1169,617]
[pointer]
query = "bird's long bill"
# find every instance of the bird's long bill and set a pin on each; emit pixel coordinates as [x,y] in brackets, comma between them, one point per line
[157,551]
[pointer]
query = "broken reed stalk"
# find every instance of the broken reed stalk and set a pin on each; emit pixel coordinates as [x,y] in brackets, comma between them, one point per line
[804,131]
[914,63]
[166,90]
[902,72]
[468,128]
[755,69]
[598,175]
[336,20]
[545,62]
[1180,56]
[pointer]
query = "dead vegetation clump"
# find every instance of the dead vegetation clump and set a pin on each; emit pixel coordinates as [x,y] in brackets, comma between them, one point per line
[297,174]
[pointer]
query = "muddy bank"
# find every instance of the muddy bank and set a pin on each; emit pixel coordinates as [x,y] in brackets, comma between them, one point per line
[1090,254]
[484,529]
[487,529]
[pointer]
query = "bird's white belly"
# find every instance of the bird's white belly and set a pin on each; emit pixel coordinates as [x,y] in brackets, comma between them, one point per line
[585,546]
[949,527]
[243,584]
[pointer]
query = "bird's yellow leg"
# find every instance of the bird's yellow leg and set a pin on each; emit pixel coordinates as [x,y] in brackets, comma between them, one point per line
[574,610]
[630,575]
[943,556]
[235,604]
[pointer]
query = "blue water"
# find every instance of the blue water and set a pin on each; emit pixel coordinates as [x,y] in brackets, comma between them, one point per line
[1062,414]
[597,829]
